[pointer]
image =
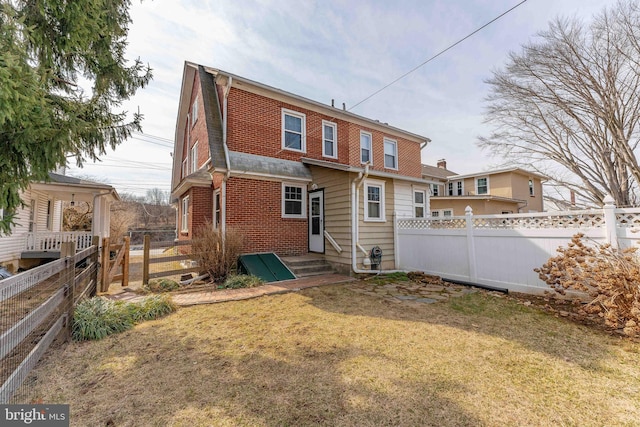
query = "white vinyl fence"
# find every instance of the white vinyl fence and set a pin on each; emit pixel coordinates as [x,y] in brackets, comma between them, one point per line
[501,251]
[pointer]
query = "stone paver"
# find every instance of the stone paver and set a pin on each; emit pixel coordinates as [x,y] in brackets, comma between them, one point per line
[396,292]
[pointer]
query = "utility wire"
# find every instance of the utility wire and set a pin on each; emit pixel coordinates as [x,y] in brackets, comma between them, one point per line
[437,55]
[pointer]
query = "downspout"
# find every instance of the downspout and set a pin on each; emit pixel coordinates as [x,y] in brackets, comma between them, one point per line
[223,192]
[355,245]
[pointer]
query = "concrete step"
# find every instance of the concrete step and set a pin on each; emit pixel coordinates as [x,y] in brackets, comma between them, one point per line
[308,265]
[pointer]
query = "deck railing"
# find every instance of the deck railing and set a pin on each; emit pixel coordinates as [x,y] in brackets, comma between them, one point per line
[50,241]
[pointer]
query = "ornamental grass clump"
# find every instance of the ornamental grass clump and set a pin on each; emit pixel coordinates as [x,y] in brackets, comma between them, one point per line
[611,278]
[97,317]
[238,281]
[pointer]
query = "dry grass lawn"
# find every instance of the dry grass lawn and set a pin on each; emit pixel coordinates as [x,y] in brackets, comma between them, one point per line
[330,356]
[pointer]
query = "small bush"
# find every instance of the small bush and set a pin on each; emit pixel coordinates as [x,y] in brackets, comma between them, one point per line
[216,254]
[241,281]
[611,277]
[97,317]
[162,285]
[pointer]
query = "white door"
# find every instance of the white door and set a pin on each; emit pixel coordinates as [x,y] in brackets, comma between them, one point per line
[316,221]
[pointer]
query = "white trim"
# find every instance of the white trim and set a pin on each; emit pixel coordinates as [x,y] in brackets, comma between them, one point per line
[217,213]
[362,133]
[334,126]
[184,217]
[441,213]
[185,168]
[477,190]
[532,187]
[381,186]
[303,130]
[303,200]
[386,140]
[194,157]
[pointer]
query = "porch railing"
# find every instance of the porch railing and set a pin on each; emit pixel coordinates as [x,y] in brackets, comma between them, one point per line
[51,241]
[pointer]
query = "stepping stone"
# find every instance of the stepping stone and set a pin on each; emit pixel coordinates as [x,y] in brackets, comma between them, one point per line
[426,300]
[406,297]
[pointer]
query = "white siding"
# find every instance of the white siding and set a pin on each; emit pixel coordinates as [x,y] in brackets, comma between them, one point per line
[11,246]
[403,199]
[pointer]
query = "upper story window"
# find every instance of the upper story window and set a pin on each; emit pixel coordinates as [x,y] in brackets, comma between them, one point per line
[390,154]
[185,215]
[419,203]
[365,147]
[329,139]
[293,131]
[455,188]
[374,201]
[194,111]
[482,185]
[531,193]
[185,166]
[194,157]
[435,190]
[293,200]
[217,209]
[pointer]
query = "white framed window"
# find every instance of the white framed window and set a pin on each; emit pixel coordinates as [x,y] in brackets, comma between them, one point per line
[435,190]
[294,131]
[217,209]
[184,226]
[374,209]
[450,189]
[455,188]
[447,212]
[482,185]
[194,112]
[185,168]
[460,188]
[194,157]
[531,191]
[329,139]
[419,203]
[435,214]
[442,213]
[390,154]
[365,147]
[294,198]
[49,215]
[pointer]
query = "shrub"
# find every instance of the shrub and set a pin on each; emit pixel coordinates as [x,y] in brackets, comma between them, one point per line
[216,254]
[611,277]
[162,285]
[241,281]
[97,317]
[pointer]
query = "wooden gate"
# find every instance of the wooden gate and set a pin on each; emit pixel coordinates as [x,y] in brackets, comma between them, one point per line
[113,257]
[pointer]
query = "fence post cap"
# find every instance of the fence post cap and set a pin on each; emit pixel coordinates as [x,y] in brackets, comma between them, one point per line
[608,200]
[468,210]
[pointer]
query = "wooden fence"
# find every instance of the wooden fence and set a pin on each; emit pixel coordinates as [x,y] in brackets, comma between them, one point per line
[166,264]
[112,264]
[37,307]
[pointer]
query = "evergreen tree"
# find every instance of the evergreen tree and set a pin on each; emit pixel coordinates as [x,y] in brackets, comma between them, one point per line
[62,75]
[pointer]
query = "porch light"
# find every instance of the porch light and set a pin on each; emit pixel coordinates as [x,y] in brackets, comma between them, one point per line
[73,203]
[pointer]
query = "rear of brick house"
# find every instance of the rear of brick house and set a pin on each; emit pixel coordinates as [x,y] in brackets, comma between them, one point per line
[290,174]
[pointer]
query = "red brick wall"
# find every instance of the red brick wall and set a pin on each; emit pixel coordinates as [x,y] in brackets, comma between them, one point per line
[200,210]
[255,126]
[254,208]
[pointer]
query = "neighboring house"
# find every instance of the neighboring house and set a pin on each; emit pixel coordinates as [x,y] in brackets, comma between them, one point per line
[37,233]
[502,191]
[291,174]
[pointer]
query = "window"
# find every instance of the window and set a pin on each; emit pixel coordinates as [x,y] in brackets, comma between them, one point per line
[194,157]
[442,213]
[435,190]
[185,170]
[49,215]
[455,188]
[194,112]
[374,201]
[419,203]
[365,147]
[217,209]
[293,131]
[329,139]
[390,154]
[447,212]
[185,215]
[450,188]
[482,185]
[293,201]
[531,193]
[435,214]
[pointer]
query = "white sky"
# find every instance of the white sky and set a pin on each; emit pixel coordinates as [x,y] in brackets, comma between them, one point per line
[340,49]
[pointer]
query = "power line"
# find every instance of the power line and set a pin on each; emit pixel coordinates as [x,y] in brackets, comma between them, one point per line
[437,55]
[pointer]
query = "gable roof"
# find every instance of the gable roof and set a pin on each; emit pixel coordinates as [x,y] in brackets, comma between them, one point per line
[497,171]
[436,172]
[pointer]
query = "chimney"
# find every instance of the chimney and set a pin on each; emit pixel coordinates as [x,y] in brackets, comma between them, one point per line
[442,164]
